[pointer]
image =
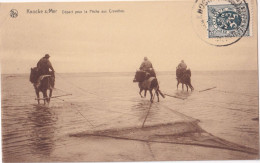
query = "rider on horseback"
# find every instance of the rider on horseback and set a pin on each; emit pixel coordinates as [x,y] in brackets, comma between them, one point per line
[183,75]
[43,79]
[147,80]
[42,70]
[147,67]
[181,69]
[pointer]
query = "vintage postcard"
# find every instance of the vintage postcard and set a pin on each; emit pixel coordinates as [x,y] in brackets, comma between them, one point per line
[106,81]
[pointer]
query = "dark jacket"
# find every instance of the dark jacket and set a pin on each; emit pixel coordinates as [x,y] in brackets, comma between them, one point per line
[146,65]
[44,65]
[182,65]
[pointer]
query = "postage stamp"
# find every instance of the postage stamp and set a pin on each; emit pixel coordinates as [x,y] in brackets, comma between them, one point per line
[222,22]
[225,21]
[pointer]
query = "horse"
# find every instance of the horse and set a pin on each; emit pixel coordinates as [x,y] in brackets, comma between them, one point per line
[183,76]
[147,82]
[42,83]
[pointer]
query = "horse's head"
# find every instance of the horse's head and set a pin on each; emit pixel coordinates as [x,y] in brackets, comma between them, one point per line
[52,79]
[34,75]
[188,72]
[179,73]
[139,76]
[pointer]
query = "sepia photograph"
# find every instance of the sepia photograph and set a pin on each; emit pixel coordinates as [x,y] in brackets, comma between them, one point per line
[127,81]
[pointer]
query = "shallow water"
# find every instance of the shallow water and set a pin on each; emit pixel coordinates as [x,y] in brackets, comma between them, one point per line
[110,101]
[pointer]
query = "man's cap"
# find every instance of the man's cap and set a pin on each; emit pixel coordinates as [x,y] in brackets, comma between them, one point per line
[145,58]
[47,56]
[182,60]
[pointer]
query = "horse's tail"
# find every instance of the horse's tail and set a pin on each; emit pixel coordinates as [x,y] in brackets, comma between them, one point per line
[188,72]
[188,79]
[155,85]
[52,82]
[188,82]
[191,87]
[161,93]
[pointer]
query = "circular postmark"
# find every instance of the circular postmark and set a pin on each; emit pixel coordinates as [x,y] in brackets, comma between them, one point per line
[13,13]
[221,22]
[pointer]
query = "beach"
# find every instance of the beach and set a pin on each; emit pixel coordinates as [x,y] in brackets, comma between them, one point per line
[105,119]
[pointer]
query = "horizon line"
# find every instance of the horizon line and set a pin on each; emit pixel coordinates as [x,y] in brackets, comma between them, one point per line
[124,71]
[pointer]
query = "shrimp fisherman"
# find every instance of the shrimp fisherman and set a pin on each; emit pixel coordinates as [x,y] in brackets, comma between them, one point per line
[44,65]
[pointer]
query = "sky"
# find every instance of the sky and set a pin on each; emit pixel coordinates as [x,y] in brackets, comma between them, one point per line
[114,42]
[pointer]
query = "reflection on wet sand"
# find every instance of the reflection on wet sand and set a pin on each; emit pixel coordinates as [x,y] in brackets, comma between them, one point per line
[223,127]
[183,94]
[42,130]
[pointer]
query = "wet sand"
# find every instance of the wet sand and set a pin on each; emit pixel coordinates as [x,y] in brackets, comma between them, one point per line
[102,122]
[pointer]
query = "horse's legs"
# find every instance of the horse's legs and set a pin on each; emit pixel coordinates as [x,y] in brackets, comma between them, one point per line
[178,84]
[50,94]
[145,93]
[140,93]
[187,87]
[189,83]
[157,94]
[38,95]
[182,85]
[151,93]
[191,87]
[45,97]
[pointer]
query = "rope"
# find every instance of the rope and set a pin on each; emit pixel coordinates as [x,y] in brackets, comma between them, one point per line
[85,118]
[86,91]
[82,89]
[237,93]
[149,107]
[62,90]
[174,96]
[92,126]
[207,89]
